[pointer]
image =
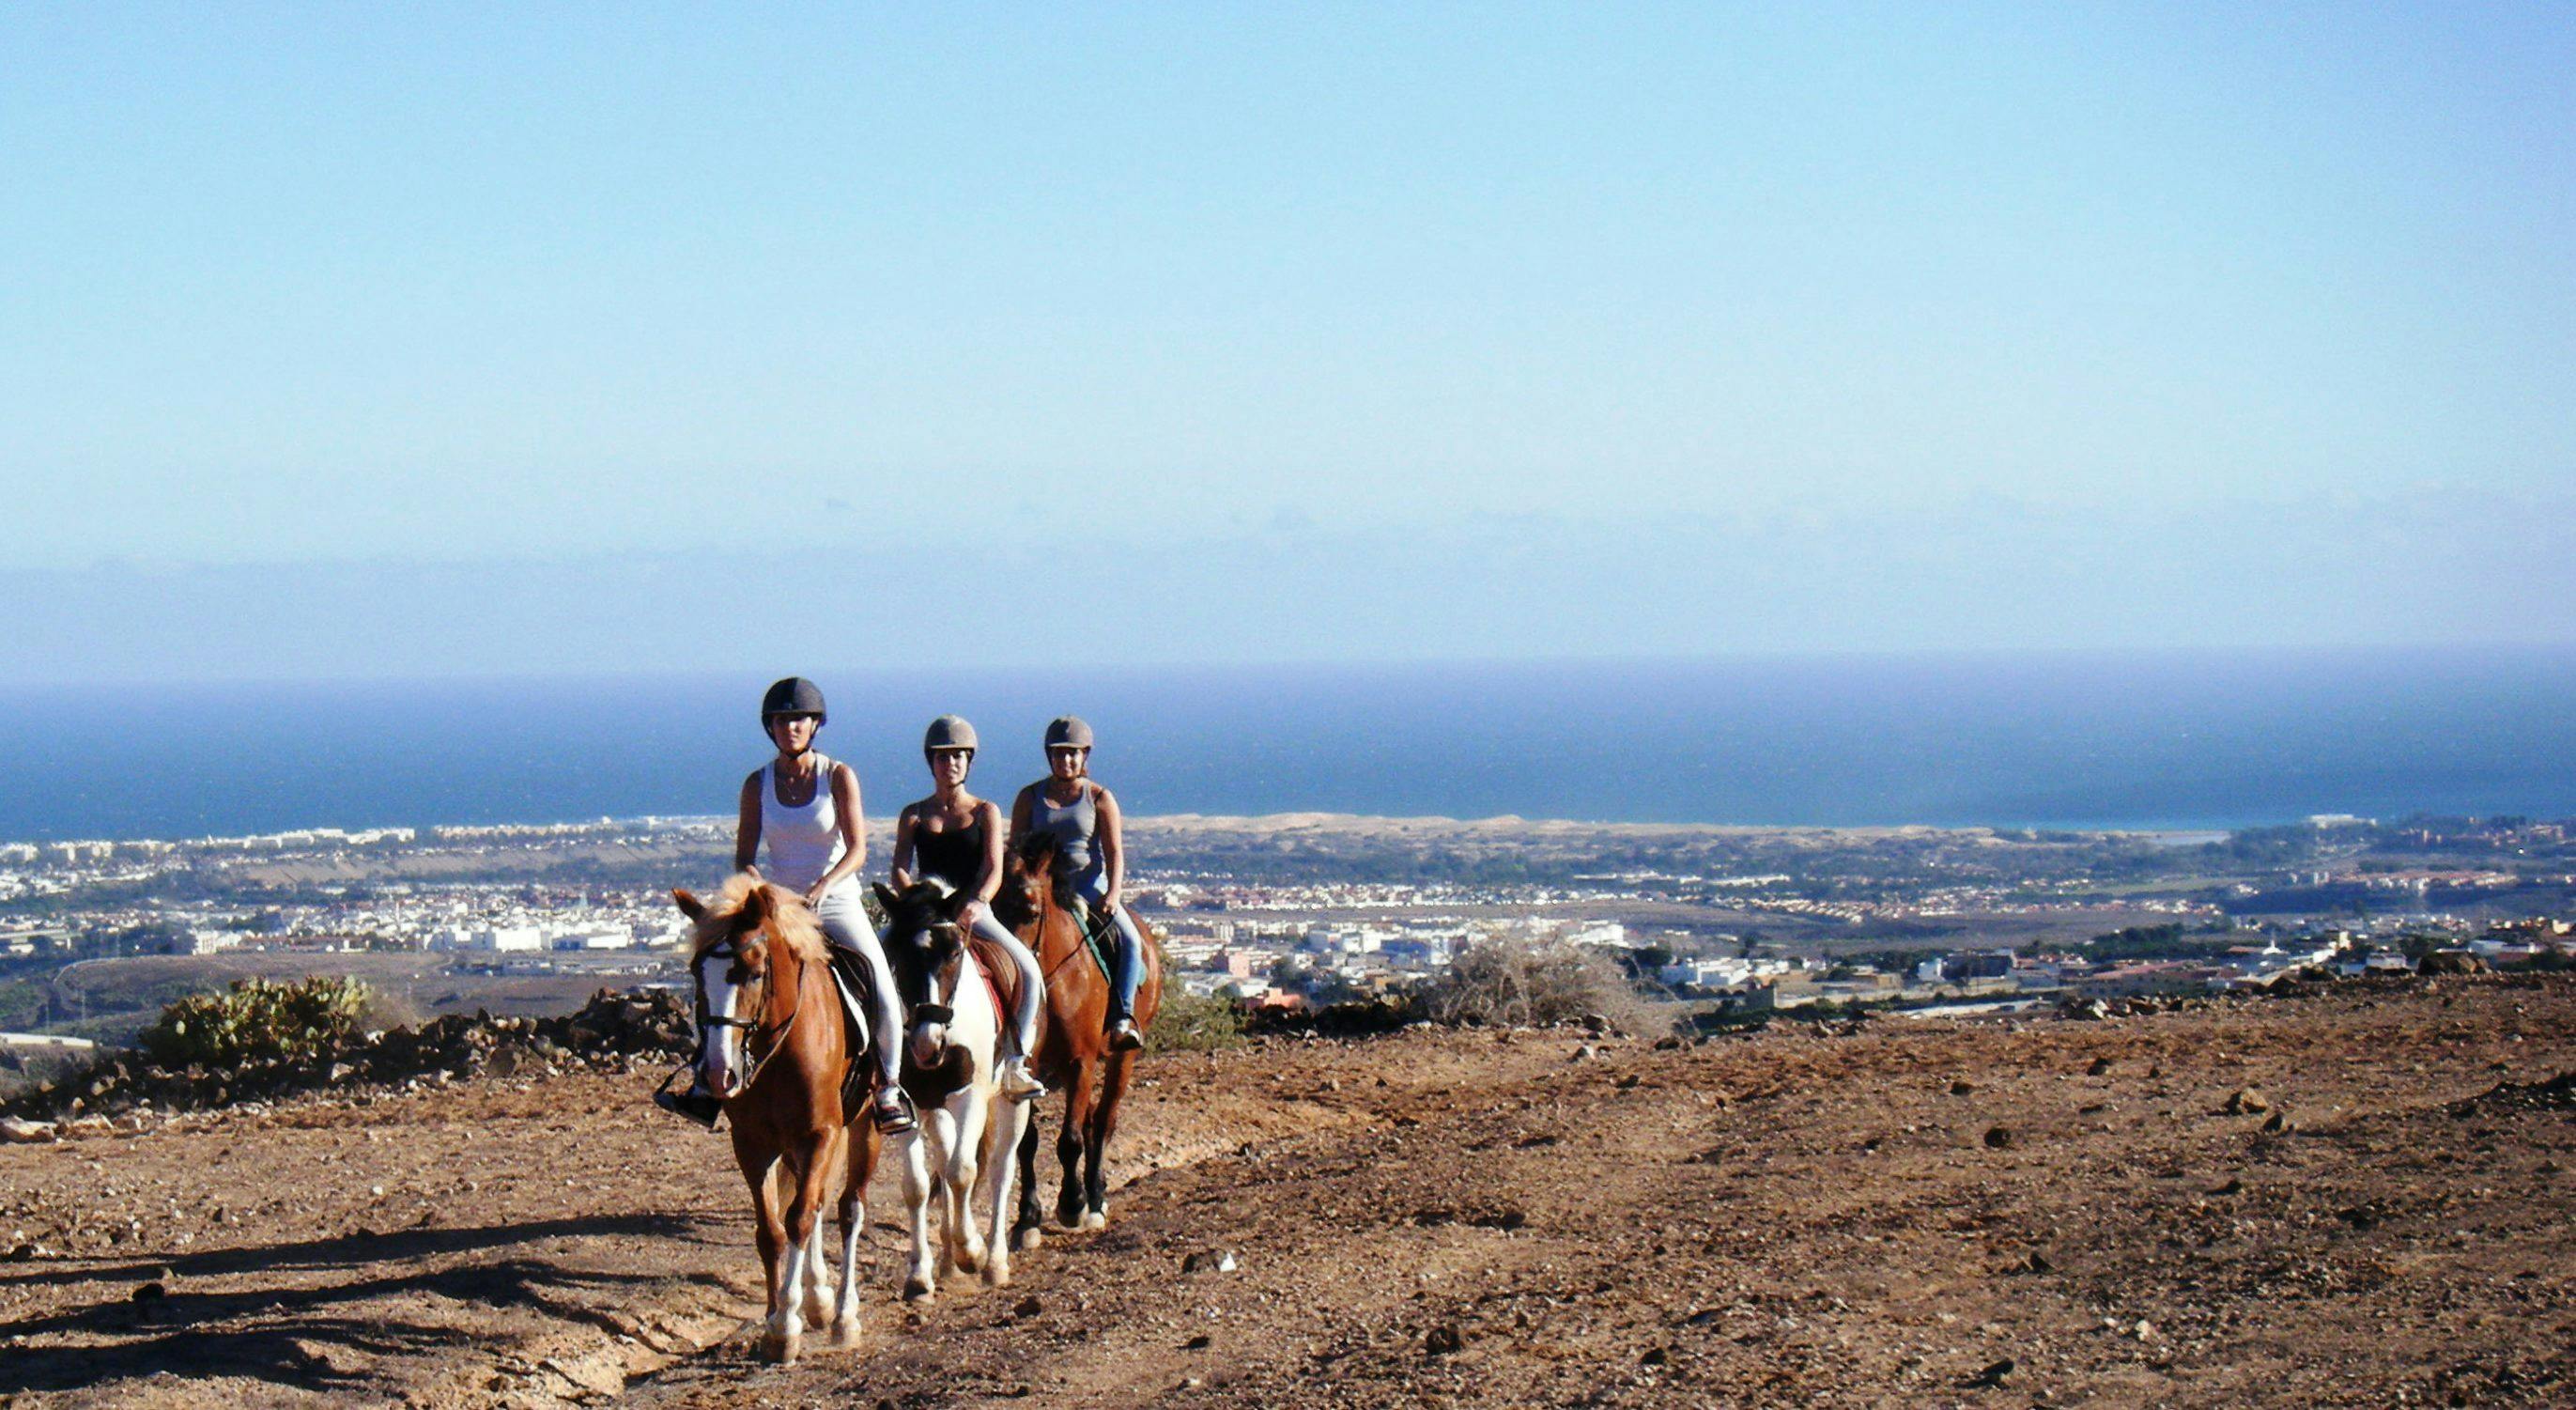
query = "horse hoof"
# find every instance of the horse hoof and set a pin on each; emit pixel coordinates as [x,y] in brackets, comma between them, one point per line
[916,1290]
[997,1274]
[782,1349]
[1031,1237]
[1095,1219]
[845,1331]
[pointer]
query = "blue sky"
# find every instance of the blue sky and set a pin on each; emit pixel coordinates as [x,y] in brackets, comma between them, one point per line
[374,340]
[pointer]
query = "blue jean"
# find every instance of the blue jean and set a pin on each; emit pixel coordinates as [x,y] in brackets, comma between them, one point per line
[1129,961]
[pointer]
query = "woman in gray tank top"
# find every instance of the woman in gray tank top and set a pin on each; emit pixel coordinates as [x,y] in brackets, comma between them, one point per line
[1083,818]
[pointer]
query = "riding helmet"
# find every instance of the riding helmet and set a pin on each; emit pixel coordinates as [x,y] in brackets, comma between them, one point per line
[1068,732]
[793,696]
[949,732]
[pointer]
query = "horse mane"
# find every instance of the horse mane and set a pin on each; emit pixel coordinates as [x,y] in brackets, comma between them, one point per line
[790,919]
[1031,852]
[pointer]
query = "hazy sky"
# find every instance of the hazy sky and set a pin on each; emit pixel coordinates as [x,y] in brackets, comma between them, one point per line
[341,339]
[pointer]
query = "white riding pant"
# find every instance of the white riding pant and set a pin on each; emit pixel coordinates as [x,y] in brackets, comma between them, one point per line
[845,924]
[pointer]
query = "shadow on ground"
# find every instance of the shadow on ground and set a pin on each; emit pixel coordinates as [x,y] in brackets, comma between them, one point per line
[321,1339]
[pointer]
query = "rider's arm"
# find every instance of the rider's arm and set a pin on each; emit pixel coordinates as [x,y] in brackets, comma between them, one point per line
[1113,843]
[1020,816]
[746,833]
[988,882]
[854,831]
[902,865]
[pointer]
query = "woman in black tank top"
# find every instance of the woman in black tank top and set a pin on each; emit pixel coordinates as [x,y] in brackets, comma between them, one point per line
[957,837]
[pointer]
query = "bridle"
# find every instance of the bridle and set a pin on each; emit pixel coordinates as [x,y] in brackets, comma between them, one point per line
[730,948]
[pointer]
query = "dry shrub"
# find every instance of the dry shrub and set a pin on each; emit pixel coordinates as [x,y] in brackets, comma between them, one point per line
[1194,1023]
[1517,981]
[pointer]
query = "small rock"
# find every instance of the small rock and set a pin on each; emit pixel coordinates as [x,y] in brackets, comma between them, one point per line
[2232,1187]
[19,1131]
[1962,1087]
[1992,1376]
[2245,1101]
[1998,1137]
[1655,1357]
[2277,1124]
[1209,1260]
[1444,1340]
[1028,1306]
[151,1292]
[1197,1343]
[1586,1053]
[2101,1068]
[2037,1262]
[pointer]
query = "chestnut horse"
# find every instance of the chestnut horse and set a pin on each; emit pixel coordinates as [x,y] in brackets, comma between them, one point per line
[1073,1053]
[954,996]
[771,1039]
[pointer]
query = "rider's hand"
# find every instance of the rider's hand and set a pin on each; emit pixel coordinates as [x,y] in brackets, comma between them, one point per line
[814,895]
[1109,900]
[970,910]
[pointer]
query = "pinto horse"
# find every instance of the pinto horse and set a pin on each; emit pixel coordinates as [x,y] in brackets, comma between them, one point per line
[1073,1053]
[775,1053]
[954,997]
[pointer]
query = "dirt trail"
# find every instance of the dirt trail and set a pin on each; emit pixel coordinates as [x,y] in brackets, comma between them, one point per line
[1786,1218]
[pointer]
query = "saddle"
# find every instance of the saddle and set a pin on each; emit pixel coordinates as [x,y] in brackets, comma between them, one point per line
[851,980]
[1093,925]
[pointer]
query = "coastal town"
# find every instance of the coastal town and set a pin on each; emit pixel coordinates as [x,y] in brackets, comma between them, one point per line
[1304,912]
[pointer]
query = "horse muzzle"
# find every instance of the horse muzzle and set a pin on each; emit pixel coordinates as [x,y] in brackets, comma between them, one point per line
[721,1073]
[928,1042]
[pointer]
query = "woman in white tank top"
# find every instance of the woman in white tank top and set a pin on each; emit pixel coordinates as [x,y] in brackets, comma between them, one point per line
[805,806]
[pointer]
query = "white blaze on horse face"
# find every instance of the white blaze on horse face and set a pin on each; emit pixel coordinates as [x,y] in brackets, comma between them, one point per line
[723,1044]
[930,1039]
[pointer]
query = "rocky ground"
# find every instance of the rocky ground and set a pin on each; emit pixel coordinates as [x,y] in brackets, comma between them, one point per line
[2355,1197]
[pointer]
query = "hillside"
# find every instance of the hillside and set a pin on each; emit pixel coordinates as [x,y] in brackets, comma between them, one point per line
[1789,1217]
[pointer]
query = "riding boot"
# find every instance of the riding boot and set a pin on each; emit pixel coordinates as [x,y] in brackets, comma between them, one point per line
[1018,1083]
[894,1111]
[696,1104]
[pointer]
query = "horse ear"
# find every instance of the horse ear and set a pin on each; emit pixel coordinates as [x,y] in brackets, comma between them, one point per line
[885,895]
[755,907]
[690,906]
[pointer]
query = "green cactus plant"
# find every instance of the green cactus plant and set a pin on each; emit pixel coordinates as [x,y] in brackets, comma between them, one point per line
[258,1020]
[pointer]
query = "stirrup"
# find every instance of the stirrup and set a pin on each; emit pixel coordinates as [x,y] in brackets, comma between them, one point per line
[1019,1068]
[1125,1037]
[898,1121]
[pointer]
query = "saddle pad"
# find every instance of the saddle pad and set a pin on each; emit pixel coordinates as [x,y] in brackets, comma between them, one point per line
[850,1005]
[989,962]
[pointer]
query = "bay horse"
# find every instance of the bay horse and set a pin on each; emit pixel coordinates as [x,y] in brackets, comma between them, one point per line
[1073,1053]
[775,1054]
[954,993]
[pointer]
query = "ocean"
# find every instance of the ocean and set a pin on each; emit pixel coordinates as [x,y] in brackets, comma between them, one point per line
[2168,740]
